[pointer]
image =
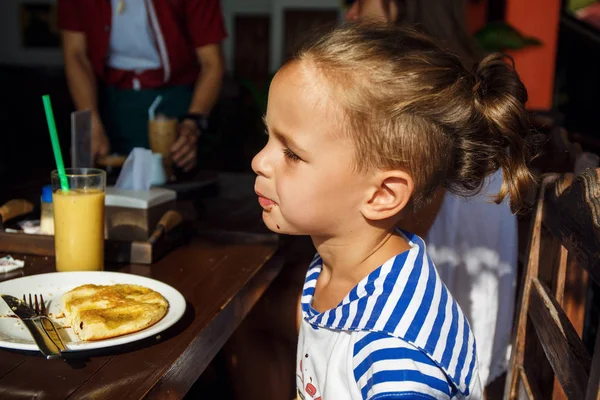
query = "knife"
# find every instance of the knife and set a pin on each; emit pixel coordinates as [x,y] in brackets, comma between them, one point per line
[50,329]
[37,325]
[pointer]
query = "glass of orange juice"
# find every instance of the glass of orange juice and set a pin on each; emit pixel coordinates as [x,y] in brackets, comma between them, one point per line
[79,220]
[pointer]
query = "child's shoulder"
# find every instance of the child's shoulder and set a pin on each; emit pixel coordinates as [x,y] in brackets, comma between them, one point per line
[385,366]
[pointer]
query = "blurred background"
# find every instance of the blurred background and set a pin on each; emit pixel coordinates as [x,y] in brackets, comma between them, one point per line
[555,45]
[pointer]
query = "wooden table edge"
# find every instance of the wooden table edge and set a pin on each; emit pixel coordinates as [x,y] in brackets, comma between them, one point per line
[177,380]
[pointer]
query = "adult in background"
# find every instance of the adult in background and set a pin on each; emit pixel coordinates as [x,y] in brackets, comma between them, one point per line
[121,54]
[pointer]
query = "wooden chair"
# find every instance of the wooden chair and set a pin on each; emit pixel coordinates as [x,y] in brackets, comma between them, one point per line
[549,359]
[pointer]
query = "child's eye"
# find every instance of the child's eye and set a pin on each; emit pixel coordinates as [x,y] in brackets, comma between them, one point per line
[290,154]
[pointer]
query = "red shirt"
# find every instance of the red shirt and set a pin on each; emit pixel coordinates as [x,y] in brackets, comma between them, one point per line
[178,26]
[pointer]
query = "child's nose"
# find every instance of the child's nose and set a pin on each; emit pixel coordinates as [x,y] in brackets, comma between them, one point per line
[260,163]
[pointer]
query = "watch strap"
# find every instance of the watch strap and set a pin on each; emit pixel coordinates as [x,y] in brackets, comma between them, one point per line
[200,119]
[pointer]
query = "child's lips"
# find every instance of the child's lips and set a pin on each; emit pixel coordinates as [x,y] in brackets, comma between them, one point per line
[265,203]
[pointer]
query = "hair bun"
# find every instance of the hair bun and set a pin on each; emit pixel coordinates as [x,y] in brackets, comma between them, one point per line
[495,78]
[499,97]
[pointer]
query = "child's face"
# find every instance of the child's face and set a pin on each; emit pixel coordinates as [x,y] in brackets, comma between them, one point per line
[306,182]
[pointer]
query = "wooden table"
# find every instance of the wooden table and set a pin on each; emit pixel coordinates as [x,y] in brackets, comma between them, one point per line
[220,282]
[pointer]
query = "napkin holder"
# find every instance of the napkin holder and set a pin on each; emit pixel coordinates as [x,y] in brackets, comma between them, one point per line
[132,215]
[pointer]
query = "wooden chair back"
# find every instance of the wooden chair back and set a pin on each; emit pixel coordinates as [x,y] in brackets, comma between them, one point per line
[549,359]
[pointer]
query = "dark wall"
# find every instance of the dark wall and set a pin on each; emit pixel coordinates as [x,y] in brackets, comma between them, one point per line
[577,76]
[25,146]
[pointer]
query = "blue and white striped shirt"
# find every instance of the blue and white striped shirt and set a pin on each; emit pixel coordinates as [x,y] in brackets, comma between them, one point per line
[397,334]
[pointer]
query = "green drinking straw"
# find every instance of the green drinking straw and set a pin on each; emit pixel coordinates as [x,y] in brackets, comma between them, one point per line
[60,166]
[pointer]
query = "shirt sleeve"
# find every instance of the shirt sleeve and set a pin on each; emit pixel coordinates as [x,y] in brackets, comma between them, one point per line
[389,368]
[204,22]
[67,15]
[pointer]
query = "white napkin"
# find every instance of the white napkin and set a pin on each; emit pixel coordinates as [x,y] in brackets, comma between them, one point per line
[8,264]
[136,173]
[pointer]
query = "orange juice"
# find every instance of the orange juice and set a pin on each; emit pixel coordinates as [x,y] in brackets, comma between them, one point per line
[79,229]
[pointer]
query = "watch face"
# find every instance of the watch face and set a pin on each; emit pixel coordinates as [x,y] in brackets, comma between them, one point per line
[200,120]
[202,123]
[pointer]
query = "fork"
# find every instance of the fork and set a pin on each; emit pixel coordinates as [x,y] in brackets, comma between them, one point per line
[41,310]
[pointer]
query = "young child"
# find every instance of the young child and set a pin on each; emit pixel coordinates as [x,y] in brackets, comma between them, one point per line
[364,124]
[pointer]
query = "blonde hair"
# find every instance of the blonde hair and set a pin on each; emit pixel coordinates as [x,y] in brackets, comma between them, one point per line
[411,105]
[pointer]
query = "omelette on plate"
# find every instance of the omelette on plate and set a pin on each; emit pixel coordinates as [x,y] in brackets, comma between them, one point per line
[98,312]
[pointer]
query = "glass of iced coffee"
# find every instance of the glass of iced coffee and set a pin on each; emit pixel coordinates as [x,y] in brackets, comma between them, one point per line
[162,133]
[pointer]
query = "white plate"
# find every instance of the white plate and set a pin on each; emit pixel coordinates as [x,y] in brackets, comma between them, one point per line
[14,335]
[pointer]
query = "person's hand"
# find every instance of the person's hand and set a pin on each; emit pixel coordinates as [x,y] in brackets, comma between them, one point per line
[378,10]
[184,149]
[100,142]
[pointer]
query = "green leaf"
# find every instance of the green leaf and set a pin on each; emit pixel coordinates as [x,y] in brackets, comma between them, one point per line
[500,36]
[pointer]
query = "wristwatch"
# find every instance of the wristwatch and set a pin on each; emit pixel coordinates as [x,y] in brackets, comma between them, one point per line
[200,120]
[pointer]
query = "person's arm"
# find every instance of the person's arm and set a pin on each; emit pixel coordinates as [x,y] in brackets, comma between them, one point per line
[205,95]
[82,85]
[209,82]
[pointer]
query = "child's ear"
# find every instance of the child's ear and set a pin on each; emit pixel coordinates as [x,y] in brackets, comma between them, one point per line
[389,194]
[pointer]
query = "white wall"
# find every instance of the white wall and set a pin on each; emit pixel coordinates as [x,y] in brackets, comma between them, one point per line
[11,49]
